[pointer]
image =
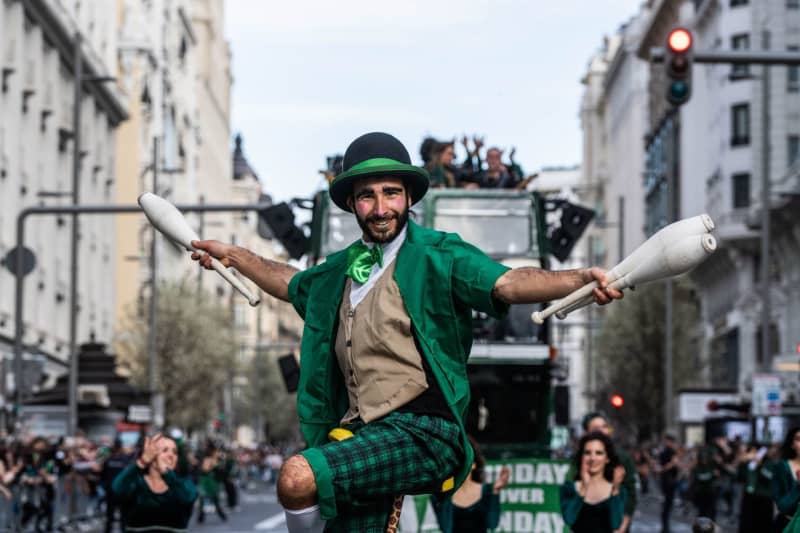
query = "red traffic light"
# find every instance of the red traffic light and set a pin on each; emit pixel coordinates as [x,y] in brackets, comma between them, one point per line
[679,40]
[617,401]
[678,65]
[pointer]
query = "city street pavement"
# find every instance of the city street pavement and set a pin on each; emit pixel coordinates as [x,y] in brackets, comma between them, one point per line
[258,512]
[648,517]
[261,513]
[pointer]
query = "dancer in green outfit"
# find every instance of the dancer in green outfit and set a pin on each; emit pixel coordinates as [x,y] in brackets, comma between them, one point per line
[786,482]
[597,421]
[475,506]
[388,330]
[594,500]
[209,485]
[151,496]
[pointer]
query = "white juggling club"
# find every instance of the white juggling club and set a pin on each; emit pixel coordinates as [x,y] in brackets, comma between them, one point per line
[696,225]
[166,218]
[669,252]
[678,258]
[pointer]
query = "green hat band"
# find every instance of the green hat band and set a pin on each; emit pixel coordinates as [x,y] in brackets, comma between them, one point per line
[373,163]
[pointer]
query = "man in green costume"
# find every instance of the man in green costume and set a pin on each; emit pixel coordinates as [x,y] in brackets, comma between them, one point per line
[385,356]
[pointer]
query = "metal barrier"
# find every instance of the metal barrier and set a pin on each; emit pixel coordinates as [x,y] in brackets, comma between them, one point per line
[7,513]
[66,506]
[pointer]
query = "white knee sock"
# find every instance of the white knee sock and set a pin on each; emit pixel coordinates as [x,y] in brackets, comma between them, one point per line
[308,520]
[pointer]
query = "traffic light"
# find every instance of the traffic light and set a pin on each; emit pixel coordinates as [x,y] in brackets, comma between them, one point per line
[679,66]
[290,372]
[280,220]
[617,401]
[574,220]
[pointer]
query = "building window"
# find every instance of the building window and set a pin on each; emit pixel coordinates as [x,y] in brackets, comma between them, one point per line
[737,3]
[773,343]
[741,190]
[793,73]
[239,316]
[725,359]
[793,149]
[242,354]
[740,125]
[740,41]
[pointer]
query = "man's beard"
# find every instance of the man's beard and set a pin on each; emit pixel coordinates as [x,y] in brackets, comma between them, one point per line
[383,237]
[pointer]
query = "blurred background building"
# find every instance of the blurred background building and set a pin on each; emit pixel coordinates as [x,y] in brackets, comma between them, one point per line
[155,116]
[37,103]
[647,163]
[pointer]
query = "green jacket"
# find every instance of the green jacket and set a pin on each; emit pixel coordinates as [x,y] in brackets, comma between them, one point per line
[487,508]
[441,278]
[785,489]
[145,510]
[630,482]
[571,504]
[756,480]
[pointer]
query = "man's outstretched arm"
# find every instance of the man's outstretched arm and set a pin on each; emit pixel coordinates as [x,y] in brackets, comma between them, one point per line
[532,285]
[271,276]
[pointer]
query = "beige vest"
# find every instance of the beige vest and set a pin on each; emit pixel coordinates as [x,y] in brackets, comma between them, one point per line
[376,351]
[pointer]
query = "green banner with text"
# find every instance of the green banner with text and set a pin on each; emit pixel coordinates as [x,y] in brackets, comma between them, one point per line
[528,504]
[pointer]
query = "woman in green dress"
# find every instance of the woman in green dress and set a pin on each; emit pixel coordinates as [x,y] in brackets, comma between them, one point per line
[594,501]
[151,496]
[475,506]
[209,487]
[786,479]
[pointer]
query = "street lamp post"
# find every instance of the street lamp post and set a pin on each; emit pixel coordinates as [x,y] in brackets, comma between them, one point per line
[671,188]
[77,108]
[72,417]
[766,302]
[151,330]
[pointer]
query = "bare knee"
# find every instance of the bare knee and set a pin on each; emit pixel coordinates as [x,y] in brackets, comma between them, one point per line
[297,488]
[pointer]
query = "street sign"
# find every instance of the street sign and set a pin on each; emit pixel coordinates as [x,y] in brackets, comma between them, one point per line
[530,499]
[139,414]
[28,260]
[766,395]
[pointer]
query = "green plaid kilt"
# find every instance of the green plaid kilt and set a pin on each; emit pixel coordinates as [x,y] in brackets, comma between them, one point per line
[402,453]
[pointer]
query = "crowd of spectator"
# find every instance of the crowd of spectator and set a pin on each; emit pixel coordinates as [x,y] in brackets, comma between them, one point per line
[66,484]
[734,483]
[479,170]
[727,484]
[476,171]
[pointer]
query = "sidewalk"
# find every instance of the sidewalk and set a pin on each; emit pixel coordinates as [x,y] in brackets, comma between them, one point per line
[648,516]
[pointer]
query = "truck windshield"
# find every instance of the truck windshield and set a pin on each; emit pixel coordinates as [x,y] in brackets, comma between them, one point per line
[500,226]
[341,231]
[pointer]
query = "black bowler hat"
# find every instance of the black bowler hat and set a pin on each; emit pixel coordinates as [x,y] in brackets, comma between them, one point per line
[377,154]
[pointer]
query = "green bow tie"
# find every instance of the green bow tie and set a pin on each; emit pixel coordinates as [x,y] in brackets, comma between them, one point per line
[360,259]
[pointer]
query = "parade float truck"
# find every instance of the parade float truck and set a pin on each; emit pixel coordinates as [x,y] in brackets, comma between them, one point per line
[510,412]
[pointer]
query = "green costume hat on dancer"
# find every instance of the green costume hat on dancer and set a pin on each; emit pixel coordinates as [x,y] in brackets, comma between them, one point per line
[377,154]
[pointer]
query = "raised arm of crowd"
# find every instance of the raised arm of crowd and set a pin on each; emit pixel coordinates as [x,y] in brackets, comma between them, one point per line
[475,171]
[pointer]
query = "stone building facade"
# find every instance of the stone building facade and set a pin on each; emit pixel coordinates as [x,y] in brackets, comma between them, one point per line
[38,49]
[712,155]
